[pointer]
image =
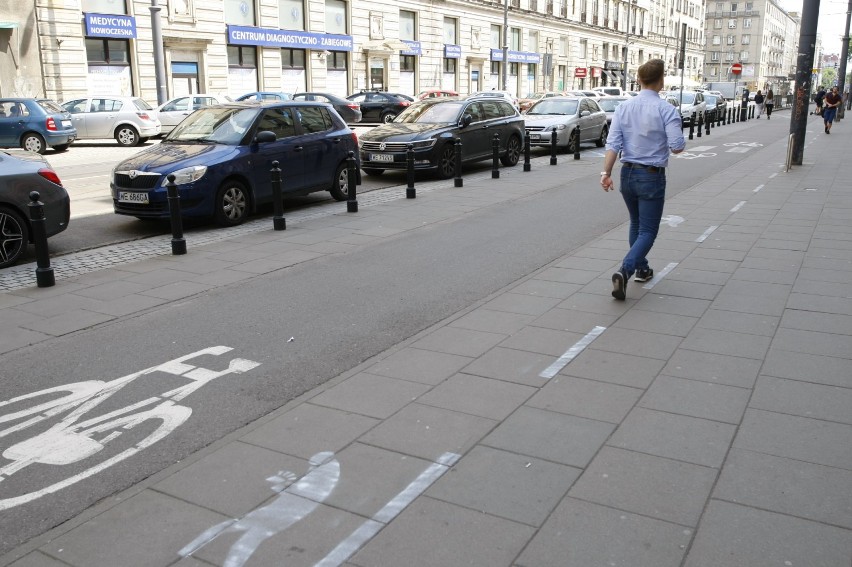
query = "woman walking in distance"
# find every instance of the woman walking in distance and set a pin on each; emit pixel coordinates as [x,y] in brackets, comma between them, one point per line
[769,103]
[645,130]
[759,101]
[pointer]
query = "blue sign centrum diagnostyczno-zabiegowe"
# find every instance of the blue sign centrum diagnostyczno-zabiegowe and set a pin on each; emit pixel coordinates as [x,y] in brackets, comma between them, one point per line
[246,35]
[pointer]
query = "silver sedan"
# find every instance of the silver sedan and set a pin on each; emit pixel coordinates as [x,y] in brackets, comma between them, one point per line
[575,119]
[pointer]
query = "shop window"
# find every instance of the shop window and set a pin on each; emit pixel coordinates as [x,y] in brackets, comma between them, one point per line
[107,52]
[239,12]
[335,17]
[291,14]
[407,25]
[292,58]
[406,62]
[105,6]
[336,60]
[242,56]
[449,65]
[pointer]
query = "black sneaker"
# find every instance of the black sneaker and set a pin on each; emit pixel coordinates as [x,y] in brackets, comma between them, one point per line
[643,275]
[619,285]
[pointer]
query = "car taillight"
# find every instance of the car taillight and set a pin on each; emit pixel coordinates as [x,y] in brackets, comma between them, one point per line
[51,124]
[404,102]
[355,139]
[354,106]
[50,175]
[143,115]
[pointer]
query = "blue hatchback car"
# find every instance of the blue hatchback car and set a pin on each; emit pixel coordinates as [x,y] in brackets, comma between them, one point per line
[35,125]
[221,157]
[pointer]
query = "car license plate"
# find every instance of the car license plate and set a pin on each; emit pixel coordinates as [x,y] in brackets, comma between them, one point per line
[381,157]
[128,197]
[535,137]
[66,123]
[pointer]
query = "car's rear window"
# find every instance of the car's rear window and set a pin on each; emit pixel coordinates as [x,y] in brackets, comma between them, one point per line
[688,98]
[141,104]
[50,107]
[553,106]
[315,119]
[609,104]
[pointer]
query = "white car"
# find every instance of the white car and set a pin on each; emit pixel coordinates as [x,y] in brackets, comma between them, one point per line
[610,91]
[691,104]
[564,115]
[172,112]
[128,119]
[506,95]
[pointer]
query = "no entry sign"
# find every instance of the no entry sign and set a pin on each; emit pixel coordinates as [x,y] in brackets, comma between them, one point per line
[737,68]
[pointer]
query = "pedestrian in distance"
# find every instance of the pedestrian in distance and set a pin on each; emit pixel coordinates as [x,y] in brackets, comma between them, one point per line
[758,101]
[818,101]
[830,104]
[645,130]
[769,103]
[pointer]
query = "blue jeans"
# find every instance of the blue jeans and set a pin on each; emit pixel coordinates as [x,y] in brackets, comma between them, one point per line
[644,194]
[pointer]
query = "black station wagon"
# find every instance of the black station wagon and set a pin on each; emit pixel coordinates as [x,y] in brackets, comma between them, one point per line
[431,127]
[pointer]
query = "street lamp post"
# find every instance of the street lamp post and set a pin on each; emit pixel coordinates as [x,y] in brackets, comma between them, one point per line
[159,60]
[505,64]
[626,46]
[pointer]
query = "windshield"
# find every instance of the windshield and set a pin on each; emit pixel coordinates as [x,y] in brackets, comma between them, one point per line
[688,98]
[710,99]
[552,106]
[51,107]
[444,113]
[608,104]
[141,104]
[214,125]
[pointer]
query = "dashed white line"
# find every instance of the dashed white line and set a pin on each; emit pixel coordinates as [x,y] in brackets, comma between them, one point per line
[571,353]
[759,187]
[773,175]
[738,206]
[707,233]
[658,276]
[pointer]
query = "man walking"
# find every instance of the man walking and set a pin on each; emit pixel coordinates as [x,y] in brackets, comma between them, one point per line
[829,111]
[818,100]
[644,130]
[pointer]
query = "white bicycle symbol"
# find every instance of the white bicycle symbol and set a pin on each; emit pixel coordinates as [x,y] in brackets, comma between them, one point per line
[74,439]
[746,144]
[689,155]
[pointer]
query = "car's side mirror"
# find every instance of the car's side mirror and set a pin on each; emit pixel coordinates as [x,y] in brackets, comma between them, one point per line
[585,113]
[466,120]
[265,136]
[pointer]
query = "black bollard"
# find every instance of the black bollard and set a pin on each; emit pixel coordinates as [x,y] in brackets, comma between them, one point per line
[718,119]
[553,147]
[495,157]
[527,165]
[576,134]
[691,127]
[410,192]
[278,220]
[459,182]
[707,126]
[178,242]
[44,273]
[700,123]
[351,182]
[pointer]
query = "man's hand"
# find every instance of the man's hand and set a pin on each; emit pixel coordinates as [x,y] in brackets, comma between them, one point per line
[606,182]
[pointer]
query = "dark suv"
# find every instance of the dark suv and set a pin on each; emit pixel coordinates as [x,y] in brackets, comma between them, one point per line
[380,106]
[431,127]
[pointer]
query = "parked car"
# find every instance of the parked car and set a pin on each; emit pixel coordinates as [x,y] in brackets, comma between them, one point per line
[526,102]
[672,100]
[128,119]
[609,91]
[716,106]
[431,127]
[266,95]
[691,104]
[563,115]
[20,173]
[608,104]
[221,157]
[379,106]
[431,93]
[506,95]
[173,111]
[588,93]
[348,110]
[35,125]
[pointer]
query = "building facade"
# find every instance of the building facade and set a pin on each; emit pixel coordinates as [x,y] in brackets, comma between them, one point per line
[230,47]
[758,34]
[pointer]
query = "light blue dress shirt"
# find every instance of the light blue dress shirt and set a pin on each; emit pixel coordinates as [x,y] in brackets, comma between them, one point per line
[645,129]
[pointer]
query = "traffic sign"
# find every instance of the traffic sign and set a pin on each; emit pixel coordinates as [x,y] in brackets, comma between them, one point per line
[737,68]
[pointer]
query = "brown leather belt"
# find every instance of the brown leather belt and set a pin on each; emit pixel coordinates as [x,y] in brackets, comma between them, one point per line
[650,168]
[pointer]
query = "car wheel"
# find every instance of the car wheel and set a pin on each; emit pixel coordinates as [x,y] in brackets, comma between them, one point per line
[61,147]
[447,162]
[231,206]
[33,142]
[13,236]
[513,152]
[601,141]
[388,117]
[127,136]
[372,171]
[340,184]
[573,142]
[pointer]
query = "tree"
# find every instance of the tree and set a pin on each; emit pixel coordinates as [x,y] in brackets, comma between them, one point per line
[829,74]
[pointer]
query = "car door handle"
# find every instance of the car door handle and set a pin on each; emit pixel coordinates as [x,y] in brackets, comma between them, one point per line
[336,140]
[298,148]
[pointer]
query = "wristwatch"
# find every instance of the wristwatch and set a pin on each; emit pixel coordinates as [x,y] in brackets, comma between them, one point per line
[605,173]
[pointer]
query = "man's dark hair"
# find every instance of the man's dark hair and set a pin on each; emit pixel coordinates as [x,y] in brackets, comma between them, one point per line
[651,72]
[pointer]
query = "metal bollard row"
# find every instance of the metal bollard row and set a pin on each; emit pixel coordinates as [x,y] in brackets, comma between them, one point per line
[410,192]
[178,242]
[44,273]
[495,156]
[553,147]
[459,182]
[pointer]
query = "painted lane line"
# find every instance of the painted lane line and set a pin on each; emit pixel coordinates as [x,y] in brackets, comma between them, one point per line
[366,531]
[773,175]
[738,206]
[660,275]
[759,187]
[707,233]
[571,353]
[701,149]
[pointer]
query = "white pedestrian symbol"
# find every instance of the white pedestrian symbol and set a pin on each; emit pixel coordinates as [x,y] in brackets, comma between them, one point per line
[294,503]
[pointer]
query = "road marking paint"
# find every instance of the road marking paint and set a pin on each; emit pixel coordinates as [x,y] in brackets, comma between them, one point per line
[773,175]
[707,233]
[738,206]
[701,148]
[660,275]
[759,187]
[738,150]
[366,531]
[672,220]
[571,353]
